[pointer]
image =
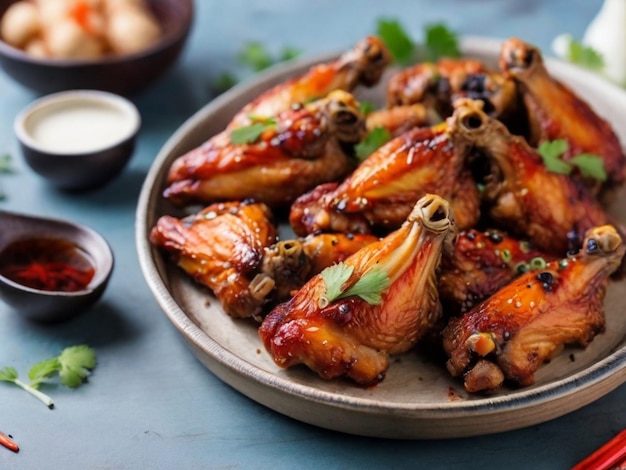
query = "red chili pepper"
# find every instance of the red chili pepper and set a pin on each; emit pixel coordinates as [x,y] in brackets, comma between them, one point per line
[611,455]
[9,443]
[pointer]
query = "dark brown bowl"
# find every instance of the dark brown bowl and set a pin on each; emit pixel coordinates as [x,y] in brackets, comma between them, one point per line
[123,74]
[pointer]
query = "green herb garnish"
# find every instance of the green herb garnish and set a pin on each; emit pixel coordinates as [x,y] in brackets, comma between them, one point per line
[73,366]
[366,107]
[250,134]
[372,142]
[584,56]
[256,56]
[589,165]
[399,43]
[369,287]
[439,41]
[224,82]
[6,163]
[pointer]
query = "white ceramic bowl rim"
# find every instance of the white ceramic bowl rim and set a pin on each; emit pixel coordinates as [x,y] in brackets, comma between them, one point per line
[111,100]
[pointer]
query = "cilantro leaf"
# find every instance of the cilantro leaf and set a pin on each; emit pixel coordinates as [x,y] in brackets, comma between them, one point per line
[370,287]
[224,82]
[441,42]
[5,163]
[76,363]
[8,374]
[248,134]
[591,166]
[372,142]
[584,56]
[366,107]
[551,153]
[73,366]
[289,53]
[334,278]
[43,370]
[256,56]
[399,43]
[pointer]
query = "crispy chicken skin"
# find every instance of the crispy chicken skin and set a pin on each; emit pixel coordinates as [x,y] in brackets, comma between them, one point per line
[291,263]
[481,263]
[550,209]
[527,322]
[382,191]
[399,119]
[351,337]
[222,248]
[438,85]
[556,112]
[303,149]
[364,64]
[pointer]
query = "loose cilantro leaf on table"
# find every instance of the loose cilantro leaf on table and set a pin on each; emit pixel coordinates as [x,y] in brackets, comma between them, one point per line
[73,366]
[6,163]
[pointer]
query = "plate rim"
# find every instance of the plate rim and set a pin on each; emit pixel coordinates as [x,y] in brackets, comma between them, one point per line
[609,371]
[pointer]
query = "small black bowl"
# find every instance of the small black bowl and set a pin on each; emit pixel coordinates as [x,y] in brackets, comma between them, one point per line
[50,306]
[121,74]
[78,140]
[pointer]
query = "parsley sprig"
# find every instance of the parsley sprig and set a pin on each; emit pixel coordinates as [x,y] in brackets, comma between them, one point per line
[439,41]
[72,366]
[589,165]
[6,167]
[368,287]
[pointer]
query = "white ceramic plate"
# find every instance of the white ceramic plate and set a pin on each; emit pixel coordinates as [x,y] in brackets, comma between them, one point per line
[417,399]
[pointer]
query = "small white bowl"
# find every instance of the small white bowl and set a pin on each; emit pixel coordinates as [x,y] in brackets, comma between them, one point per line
[78,139]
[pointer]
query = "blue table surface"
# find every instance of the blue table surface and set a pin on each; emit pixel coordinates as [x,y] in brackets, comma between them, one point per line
[150,403]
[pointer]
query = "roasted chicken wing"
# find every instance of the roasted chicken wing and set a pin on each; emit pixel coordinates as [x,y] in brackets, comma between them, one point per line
[438,85]
[222,248]
[527,322]
[551,209]
[301,148]
[291,263]
[481,263]
[337,326]
[382,191]
[364,64]
[399,119]
[555,111]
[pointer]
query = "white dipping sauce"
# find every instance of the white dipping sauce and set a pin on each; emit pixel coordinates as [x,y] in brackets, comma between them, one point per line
[78,126]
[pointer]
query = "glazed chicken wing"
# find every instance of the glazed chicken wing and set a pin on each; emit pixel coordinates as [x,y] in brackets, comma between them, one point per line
[364,64]
[335,332]
[301,148]
[527,322]
[556,112]
[400,119]
[481,263]
[291,263]
[550,209]
[382,191]
[222,248]
[437,85]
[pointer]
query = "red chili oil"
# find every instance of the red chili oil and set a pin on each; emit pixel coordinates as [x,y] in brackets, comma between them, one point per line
[48,264]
